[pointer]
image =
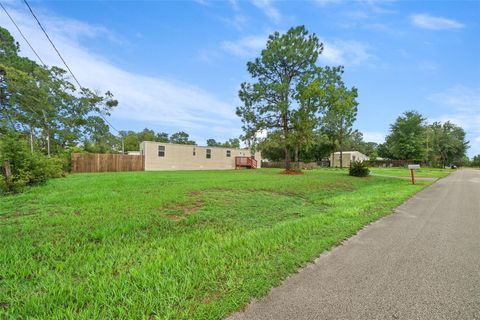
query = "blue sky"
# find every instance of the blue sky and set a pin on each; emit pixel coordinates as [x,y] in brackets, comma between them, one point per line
[178,65]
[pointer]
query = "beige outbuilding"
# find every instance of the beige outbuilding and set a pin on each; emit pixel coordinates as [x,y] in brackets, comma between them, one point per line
[168,156]
[347,158]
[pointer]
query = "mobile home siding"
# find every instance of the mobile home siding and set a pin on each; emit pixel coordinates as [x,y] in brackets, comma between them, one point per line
[347,158]
[190,157]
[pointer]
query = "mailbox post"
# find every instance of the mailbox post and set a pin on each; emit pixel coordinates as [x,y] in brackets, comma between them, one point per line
[412,168]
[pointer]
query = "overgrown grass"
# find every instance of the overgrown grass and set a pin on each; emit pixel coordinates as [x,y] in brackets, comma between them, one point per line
[174,245]
[404,172]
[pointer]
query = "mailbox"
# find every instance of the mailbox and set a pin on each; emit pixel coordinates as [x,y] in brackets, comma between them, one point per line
[412,168]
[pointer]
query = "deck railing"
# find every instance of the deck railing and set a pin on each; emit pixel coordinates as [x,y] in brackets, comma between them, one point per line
[246,162]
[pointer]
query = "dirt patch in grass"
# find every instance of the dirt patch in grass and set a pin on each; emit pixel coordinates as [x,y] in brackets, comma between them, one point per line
[276,193]
[291,172]
[18,214]
[371,210]
[345,185]
[211,297]
[185,210]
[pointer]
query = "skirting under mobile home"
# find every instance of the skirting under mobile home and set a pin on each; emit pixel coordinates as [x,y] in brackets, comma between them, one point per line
[168,156]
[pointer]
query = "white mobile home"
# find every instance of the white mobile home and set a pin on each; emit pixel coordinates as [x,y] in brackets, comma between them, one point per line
[169,156]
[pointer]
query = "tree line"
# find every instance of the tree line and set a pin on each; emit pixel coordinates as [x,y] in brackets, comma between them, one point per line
[131,140]
[44,117]
[307,112]
[436,144]
[40,103]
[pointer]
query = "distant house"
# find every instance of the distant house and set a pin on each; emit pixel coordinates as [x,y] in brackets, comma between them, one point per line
[347,158]
[168,156]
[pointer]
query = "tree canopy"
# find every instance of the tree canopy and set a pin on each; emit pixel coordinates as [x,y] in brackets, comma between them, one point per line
[289,91]
[438,144]
[407,136]
[42,103]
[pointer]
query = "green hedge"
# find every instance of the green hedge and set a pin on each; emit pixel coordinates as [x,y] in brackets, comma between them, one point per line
[27,168]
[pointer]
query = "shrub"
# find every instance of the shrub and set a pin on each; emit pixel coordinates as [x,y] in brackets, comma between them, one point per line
[27,168]
[359,169]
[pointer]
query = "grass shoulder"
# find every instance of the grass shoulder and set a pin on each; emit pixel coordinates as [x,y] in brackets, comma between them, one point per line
[179,245]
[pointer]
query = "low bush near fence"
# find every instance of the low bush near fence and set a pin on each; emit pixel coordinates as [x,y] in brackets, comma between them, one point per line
[20,167]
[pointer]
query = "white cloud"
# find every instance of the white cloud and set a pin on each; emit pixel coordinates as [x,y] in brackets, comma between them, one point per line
[427,66]
[268,9]
[374,136]
[328,2]
[463,105]
[238,21]
[336,52]
[461,98]
[346,52]
[202,2]
[153,100]
[235,5]
[427,21]
[246,47]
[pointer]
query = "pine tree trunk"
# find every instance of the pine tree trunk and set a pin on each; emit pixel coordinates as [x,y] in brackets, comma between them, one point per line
[48,144]
[31,140]
[341,150]
[297,161]
[288,164]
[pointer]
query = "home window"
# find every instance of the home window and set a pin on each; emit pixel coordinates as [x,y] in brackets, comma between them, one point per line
[209,153]
[229,153]
[194,152]
[161,151]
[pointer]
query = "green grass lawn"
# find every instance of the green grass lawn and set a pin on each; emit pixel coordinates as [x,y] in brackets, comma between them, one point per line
[174,245]
[404,172]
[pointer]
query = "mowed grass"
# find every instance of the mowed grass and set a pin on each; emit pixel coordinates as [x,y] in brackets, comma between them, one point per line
[174,245]
[405,172]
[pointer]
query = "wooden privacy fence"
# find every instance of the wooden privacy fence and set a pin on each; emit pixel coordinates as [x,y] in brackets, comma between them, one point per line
[100,162]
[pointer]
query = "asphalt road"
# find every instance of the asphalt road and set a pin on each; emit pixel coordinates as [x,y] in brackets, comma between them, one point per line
[423,262]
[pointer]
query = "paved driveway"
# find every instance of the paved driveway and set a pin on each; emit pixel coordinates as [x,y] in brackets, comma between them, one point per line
[423,262]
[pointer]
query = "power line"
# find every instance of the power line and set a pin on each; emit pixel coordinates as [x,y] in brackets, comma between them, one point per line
[21,33]
[63,60]
[51,42]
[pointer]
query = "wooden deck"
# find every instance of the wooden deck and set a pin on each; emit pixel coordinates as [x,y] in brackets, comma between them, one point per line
[245,162]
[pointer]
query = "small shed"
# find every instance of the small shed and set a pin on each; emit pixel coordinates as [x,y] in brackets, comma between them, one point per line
[347,158]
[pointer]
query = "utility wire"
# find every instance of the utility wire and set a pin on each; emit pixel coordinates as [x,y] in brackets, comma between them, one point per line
[21,33]
[51,42]
[63,60]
